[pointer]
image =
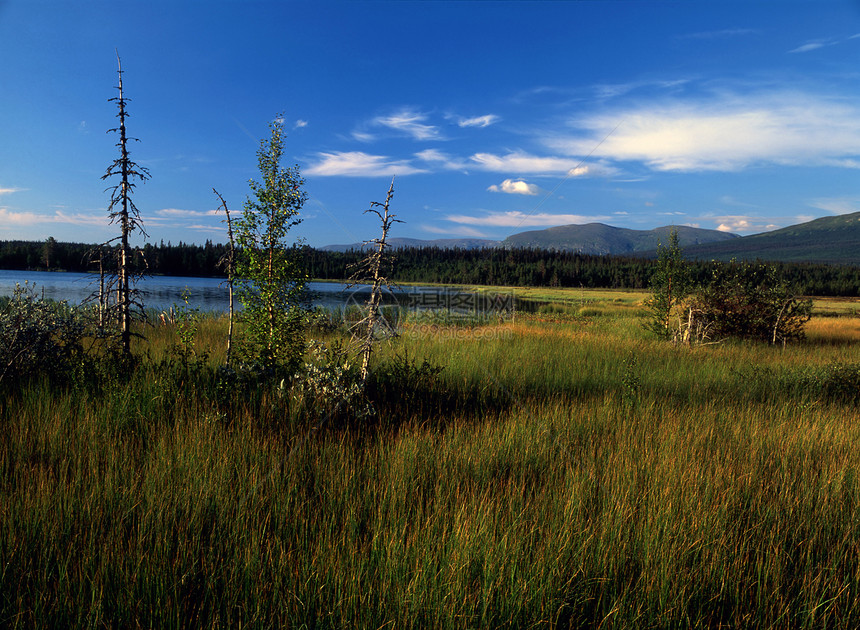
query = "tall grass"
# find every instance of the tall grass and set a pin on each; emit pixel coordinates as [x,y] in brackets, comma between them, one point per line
[542,479]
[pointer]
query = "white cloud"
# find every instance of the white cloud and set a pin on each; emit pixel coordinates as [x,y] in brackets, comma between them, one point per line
[359,164]
[479,121]
[515,187]
[614,90]
[521,219]
[724,133]
[816,44]
[409,122]
[519,162]
[460,231]
[9,191]
[177,213]
[740,223]
[442,159]
[9,217]
[808,47]
[362,136]
[204,228]
[299,124]
[837,205]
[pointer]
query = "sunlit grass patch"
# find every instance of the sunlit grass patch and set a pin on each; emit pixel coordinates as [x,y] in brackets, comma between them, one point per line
[532,471]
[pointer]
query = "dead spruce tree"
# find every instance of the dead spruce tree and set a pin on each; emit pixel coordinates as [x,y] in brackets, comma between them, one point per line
[124,212]
[372,270]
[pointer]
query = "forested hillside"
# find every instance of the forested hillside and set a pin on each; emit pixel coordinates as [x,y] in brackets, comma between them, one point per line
[167,259]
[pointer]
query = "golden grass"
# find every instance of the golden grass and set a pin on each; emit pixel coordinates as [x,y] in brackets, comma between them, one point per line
[560,472]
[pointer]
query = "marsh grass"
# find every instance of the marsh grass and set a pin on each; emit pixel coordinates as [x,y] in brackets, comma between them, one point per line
[514,487]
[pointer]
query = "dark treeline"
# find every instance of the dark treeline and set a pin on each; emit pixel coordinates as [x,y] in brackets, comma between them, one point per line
[167,259]
[539,268]
[501,267]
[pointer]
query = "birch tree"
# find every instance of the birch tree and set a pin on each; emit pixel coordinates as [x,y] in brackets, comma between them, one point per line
[271,282]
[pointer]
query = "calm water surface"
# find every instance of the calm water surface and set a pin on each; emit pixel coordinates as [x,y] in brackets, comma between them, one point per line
[162,292]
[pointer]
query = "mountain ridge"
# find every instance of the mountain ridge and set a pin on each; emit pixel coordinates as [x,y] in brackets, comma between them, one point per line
[828,240]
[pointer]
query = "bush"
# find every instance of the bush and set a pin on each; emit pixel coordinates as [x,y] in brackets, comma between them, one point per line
[330,386]
[749,301]
[39,338]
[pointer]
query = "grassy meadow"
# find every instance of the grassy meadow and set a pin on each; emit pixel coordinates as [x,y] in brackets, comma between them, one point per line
[563,469]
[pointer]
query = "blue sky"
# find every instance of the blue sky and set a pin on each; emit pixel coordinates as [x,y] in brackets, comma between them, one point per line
[495,117]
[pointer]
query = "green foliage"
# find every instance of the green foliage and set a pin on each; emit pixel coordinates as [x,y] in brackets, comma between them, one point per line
[750,301]
[270,277]
[187,363]
[402,386]
[670,284]
[740,300]
[330,386]
[39,338]
[836,382]
[631,383]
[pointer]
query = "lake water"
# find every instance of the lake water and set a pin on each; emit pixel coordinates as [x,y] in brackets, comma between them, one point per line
[210,294]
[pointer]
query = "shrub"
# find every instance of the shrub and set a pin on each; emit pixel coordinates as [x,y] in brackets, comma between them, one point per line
[39,338]
[330,385]
[749,301]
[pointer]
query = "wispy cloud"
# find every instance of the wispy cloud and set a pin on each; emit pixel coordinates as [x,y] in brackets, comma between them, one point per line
[9,191]
[521,162]
[177,213]
[816,44]
[19,219]
[521,219]
[837,205]
[8,217]
[813,45]
[479,121]
[515,187]
[460,230]
[722,133]
[441,159]
[299,124]
[409,122]
[614,90]
[359,164]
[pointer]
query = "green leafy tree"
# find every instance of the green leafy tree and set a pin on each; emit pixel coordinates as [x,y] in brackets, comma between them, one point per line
[269,271]
[751,301]
[670,284]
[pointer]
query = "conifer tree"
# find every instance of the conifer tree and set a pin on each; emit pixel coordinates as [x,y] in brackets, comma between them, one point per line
[124,212]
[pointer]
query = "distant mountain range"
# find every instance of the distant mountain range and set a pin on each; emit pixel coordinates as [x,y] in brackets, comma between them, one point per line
[832,240]
[597,238]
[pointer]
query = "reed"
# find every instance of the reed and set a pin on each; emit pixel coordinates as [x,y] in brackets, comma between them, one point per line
[567,472]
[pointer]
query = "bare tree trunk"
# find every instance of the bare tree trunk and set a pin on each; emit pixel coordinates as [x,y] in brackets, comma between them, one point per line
[123,211]
[229,261]
[371,269]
